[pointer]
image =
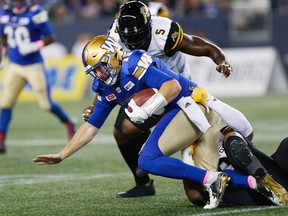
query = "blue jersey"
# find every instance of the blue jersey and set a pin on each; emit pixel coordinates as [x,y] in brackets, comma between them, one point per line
[139,71]
[24,28]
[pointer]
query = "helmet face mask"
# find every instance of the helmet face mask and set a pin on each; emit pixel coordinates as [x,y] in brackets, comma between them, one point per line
[102,59]
[134,25]
[103,71]
[18,6]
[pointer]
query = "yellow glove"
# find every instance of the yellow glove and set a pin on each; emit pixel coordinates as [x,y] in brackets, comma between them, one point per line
[199,95]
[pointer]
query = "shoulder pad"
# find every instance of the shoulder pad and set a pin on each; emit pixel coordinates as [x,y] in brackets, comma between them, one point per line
[39,14]
[112,28]
[34,8]
[174,38]
[138,63]
[6,7]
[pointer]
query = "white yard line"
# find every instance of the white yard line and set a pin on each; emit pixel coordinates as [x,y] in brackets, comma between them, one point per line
[6,180]
[109,139]
[101,139]
[242,210]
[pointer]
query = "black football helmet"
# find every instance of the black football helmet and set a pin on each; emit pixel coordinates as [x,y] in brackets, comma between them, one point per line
[134,25]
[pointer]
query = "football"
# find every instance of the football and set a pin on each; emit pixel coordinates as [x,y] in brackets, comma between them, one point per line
[142,96]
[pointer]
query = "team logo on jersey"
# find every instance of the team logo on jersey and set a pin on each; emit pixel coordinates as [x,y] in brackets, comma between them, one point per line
[111,97]
[99,97]
[144,62]
[118,90]
[109,45]
[129,85]
[175,36]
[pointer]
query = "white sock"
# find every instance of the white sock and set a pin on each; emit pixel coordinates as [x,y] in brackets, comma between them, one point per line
[252,182]
[209,178]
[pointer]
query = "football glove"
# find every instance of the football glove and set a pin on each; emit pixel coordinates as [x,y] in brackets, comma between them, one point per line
[199,95]
[137,114]
[29,48]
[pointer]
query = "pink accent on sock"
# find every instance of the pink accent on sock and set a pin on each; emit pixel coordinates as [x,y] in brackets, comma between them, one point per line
[206,177]
[4,50]
[252,182]
[39,44]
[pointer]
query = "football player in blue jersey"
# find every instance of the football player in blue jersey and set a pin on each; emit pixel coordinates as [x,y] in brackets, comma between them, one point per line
[164,38]
[118,76]
[24,30]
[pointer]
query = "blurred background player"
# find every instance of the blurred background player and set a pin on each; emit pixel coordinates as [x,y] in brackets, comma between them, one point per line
[163,38]
[25,29]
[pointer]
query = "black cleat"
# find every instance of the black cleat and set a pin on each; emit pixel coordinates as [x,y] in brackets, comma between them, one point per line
[138,191]
[216,190]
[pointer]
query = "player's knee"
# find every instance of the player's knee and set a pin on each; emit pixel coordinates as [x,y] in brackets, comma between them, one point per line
[45,106]
[120,138]
[6,104]
[130,130]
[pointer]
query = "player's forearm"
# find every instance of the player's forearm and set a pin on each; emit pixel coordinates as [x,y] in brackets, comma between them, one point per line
[48,40]
[83,136]
[197,46]
[170,90]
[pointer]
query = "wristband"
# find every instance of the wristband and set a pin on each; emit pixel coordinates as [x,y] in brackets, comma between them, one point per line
[156,103]
[39,44]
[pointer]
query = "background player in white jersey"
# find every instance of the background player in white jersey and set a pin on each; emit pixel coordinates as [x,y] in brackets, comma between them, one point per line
[164,38]
[25,29]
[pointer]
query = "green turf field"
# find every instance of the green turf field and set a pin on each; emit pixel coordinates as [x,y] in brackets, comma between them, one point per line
[86,183]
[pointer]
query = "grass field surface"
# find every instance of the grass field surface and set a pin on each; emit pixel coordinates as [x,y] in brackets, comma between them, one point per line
[86,183]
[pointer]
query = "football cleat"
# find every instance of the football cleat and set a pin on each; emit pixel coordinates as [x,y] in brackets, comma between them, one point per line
[71,127]
[138,191]
[2,143]
[273,190]
[216,190]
